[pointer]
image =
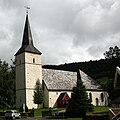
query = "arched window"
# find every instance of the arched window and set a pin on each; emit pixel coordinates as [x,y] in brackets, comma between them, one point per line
[90,96]
[102,97]
[97,102]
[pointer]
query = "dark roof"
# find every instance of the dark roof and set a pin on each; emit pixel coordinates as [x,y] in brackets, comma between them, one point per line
[65,80]
[27,41]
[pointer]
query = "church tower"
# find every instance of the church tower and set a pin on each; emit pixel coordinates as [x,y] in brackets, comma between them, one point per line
[28,69]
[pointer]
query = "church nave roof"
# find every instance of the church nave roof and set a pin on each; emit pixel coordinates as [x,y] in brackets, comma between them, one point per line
[65,80]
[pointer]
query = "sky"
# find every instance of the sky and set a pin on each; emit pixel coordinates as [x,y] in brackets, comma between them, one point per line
[64,31]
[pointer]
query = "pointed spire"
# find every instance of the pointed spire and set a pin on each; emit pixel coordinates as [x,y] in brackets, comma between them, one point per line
[27,41]
[27,36]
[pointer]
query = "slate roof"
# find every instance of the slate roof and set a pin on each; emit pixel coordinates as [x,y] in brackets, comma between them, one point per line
[27,42]
[65,80]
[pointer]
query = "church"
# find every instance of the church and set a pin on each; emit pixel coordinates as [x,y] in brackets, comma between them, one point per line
[57,84]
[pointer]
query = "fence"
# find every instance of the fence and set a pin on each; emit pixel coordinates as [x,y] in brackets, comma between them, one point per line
[114,114]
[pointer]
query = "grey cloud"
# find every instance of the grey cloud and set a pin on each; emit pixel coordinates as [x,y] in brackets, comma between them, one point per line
[12,4]
[86,23]
[96,23]
[63,30]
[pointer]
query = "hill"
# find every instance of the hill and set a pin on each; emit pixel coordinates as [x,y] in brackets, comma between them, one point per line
[96,69]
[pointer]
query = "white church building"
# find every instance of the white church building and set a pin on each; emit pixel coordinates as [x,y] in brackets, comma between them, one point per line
[57,84]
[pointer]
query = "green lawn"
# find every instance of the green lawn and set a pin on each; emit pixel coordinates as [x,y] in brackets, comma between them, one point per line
[38,112]
[101,109]
[73,119]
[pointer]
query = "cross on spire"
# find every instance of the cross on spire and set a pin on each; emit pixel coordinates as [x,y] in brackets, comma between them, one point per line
[27,8]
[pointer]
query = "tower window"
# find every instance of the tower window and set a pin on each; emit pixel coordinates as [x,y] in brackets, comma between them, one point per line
[16,61]
[90,96]
[33,60]
[102,97]
[19,61]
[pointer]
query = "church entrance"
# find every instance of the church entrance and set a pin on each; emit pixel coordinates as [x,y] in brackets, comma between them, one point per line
[63,100]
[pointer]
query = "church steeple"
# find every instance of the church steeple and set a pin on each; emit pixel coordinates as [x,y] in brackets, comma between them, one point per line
[27,41]
[28,68]
[27,36]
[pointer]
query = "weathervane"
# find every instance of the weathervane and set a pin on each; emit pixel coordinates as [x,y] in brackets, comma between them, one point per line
[27,8]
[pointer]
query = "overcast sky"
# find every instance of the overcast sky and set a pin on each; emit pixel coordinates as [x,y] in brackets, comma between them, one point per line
[63,30]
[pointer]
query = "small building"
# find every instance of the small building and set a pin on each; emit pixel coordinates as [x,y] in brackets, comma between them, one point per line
[114,112]
[117,78]
[116,102]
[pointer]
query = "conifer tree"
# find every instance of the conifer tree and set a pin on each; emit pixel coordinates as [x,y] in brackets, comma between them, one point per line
[79,103]
[38,93]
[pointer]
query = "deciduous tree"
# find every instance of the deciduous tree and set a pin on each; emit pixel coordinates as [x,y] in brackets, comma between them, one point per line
[113,52]
[7,82]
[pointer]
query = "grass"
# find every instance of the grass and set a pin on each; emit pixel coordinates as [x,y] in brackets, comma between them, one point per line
[38,112]
[101,109]
[98,110]
[73,119]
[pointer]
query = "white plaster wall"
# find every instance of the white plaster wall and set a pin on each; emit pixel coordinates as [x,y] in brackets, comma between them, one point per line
[97,94]
[27,73]
[53,96]
[33,72]
[29,98]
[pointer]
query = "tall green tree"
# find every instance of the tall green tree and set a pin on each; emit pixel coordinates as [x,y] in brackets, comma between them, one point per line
[6,85]
[38,93]
[113,52]
[79,103]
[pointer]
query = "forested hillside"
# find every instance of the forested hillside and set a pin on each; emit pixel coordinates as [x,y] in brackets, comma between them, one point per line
[96,69]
